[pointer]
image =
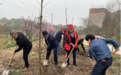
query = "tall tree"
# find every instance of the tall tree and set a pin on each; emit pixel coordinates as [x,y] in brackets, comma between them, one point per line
[40,71]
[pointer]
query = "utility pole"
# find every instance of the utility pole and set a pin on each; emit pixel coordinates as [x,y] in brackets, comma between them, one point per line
[66,16]
[72,20]
[40,71]
[51,19]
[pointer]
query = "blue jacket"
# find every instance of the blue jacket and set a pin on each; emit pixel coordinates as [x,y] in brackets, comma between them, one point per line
[51,42]
[58,35]
[99,48]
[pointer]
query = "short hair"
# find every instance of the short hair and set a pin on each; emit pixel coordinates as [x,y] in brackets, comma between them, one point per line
[90,36]
[44,33]
[80,41]
[13,33]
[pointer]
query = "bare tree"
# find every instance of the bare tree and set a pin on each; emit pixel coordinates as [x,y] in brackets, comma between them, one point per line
[84,21]
[112,6]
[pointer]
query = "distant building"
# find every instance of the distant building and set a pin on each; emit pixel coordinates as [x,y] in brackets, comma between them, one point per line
[97,16]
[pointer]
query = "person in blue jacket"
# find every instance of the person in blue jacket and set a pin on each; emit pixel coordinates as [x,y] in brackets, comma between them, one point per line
[101,53]
[52,44]
[58,37]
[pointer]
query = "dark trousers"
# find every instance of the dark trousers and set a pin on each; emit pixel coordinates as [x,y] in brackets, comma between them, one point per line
[74,56]
[63,42]
[55,55]
[100,68]
[26,52]
[82,47]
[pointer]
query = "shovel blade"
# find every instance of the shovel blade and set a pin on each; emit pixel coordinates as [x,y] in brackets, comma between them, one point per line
[5,72]
[64,65]
[45,62]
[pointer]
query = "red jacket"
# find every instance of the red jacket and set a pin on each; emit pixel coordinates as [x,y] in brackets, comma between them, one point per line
[68,46]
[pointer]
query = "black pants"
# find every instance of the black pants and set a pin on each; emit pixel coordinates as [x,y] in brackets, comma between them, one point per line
[26,52]
[55,55]
[100,68]
[63,42]
[74,56]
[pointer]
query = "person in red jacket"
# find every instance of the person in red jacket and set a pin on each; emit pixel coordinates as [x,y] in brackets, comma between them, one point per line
[70,39]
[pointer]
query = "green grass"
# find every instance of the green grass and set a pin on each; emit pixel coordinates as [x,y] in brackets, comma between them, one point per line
[10,49]
[107,74]
[17,72]
[9,42]
[114,58]
[32,54]
[119,63]
[115,68]
[34,39]
[5,63]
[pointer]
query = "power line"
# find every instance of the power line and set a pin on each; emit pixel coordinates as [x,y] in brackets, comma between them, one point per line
[30,3]
[17,6]
[26,4]
[60,20]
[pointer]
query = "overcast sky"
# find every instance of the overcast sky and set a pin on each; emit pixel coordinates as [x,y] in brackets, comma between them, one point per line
[76,9]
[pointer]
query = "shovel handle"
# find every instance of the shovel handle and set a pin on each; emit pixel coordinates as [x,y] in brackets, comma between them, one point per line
[72,49]
[11,59]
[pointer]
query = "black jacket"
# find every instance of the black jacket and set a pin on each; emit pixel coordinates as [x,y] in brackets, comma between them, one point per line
[51,42]
[22,42]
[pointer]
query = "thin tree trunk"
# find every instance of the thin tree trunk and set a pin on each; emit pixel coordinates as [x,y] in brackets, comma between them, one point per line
[40,72]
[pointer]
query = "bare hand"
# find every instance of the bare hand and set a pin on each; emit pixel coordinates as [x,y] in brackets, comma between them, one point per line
[112,54]
[117,50]
[13,53]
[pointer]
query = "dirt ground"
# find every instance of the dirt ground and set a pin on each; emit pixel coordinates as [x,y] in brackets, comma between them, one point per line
[84,65]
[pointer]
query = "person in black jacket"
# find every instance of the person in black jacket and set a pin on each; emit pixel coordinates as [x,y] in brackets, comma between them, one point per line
[81,43]
[24,43]
[52,44]
[58,37]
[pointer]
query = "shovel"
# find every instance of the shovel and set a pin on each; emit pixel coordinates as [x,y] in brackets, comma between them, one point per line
[6,71]
[45,62]
[65,63]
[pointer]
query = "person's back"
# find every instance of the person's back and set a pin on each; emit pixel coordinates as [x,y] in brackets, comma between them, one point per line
[52,40]
[97,48]
[25,40]
[102,54]
[58,36]
[104,47]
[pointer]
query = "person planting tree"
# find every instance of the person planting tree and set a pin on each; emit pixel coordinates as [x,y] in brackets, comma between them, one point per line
[24,43]
[71,37]
[81,43]
[101,53]
[58,38]
[52,44]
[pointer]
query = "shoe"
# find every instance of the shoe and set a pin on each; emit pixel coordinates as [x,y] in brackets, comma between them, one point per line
[74,63]
[85,52]
[25,69]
